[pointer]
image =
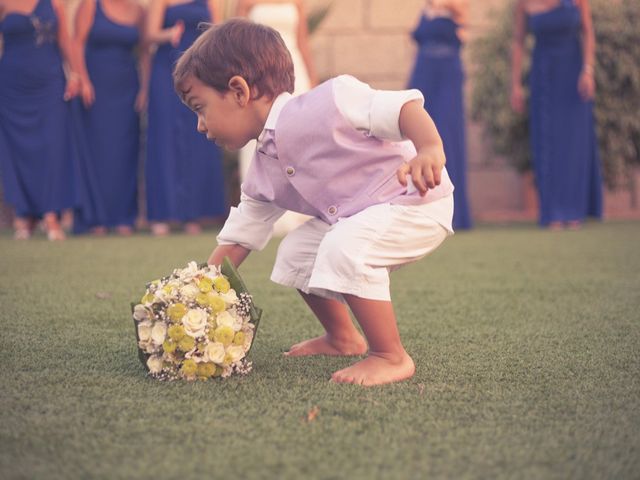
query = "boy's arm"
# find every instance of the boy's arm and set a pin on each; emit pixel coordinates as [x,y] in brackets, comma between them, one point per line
[236,253]
[395,116]
[248,227]
[426,167]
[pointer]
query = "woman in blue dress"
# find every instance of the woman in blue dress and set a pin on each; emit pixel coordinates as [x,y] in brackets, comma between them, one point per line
[107,33]
[564,144]
[439,75]
[184,175]
[35,142]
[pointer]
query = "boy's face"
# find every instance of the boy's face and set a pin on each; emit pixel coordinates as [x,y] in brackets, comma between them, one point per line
[222,116]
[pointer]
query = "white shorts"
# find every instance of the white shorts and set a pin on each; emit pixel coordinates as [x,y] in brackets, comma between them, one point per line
[356,254]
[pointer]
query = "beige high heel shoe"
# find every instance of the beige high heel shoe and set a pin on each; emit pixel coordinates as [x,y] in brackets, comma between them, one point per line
[53,228]
[22,229]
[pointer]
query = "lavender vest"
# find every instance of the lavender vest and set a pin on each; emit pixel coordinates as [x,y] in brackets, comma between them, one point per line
[316,163]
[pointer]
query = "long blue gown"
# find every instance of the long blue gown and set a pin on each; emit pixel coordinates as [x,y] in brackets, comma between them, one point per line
[108,131]
[35,141]
[565,152]
[439,75]
[184,176]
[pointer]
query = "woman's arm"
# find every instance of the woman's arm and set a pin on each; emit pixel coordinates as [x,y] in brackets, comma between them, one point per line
[460,13]
[66,48]
[586,83]
[144,62]
[243,7]
[303,44]
[155,34]
[517,51]
[82,25]
[215,10]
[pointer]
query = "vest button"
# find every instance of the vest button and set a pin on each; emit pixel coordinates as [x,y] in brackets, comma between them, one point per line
[332,210]
[290,171]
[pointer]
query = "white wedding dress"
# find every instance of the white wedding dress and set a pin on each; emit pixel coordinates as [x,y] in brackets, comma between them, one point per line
[284,18]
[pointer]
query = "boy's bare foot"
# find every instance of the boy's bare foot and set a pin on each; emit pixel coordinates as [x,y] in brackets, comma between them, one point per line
[326,345]
[376,370]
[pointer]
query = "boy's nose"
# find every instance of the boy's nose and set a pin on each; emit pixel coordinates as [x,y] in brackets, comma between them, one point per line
[201,126]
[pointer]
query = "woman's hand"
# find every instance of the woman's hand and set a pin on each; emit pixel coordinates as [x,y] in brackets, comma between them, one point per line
[517,98]
[176,33]
[586,84]
[87,93]
[72,88]
[141,100]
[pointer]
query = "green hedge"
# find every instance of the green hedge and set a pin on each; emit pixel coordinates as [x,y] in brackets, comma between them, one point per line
[617,94]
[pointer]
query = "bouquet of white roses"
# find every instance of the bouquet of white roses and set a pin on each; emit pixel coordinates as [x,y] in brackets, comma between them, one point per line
[197,323]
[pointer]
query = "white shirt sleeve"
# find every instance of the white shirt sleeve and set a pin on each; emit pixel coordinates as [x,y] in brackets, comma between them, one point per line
[250,224]
[375,112]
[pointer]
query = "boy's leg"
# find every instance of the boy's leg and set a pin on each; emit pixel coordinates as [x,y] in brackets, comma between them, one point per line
[354,259]
[294,264]
[387,361]
[341,337]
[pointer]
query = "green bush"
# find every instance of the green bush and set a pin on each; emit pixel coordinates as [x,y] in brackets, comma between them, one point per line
[617,96]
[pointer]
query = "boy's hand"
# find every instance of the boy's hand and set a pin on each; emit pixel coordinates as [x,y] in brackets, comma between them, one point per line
[425,169]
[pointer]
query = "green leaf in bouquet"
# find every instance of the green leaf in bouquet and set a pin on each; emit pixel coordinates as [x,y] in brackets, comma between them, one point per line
[235,280]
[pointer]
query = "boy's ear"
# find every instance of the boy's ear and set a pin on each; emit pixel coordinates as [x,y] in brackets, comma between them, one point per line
[239,87]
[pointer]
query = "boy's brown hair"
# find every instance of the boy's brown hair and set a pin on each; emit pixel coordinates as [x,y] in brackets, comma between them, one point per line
[238,47]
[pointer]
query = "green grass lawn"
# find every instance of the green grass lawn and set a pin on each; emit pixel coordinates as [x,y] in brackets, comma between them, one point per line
[527,346]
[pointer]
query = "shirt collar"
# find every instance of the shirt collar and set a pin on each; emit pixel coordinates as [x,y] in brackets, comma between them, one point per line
[276,107]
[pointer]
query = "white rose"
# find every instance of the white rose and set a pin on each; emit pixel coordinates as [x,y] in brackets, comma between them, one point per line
[140,312]
[224,319]
[194,322]
[159,333]
[248,338]
[212,272]
[214,352]
[144,330]
[230,296]
[146,347]
[189,291]
[155,363]
[236,352]
[187,274]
